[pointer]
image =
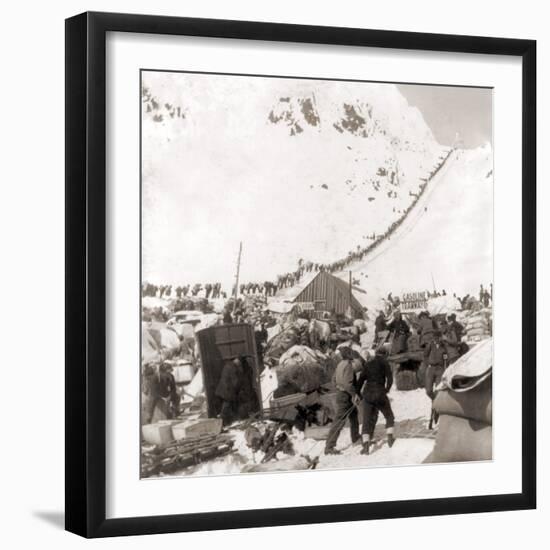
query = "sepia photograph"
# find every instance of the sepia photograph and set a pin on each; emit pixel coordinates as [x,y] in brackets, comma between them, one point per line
[316,274]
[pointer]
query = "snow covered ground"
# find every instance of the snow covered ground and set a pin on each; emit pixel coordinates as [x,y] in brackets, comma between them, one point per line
[413,444]
[310,170]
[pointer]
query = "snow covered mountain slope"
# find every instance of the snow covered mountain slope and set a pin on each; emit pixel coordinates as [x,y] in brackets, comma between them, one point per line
[293,168]
[448,235]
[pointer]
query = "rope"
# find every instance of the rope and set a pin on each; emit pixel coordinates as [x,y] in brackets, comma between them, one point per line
[342,420]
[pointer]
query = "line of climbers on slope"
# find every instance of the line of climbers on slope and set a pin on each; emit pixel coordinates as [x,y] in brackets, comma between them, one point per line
[285,280]
[291,278]
[211,290]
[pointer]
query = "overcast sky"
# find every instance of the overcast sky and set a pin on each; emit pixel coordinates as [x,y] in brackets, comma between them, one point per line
[451,109]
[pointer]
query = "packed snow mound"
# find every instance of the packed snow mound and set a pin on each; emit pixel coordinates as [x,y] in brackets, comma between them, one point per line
[294,169]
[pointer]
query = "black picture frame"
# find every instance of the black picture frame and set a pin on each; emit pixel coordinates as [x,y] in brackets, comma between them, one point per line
[86,273]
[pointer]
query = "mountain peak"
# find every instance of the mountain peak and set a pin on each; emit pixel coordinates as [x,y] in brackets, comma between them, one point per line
[295,113]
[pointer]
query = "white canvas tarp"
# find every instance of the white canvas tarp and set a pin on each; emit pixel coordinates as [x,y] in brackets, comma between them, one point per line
[158,344]
[280,307]
[443,305]
[470,369]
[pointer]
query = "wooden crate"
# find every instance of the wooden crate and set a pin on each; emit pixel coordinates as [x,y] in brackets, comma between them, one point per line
[284,408]
[187,430]
[159,433]
[184,373]
[405,380]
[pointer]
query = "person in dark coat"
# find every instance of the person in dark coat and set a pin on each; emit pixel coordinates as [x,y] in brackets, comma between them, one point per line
[248,401]
[436,356]
[426,327]
[227,317]
[236,390]
[228,389]
[458,329]
[347,398]
[377,378]
[400,331]
[260,338]
[150,393]
[456,326]
[379,324]
[167,390]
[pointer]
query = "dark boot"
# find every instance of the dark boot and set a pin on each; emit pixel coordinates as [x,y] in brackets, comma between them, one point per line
[366,448]
[332,451]
[391,440]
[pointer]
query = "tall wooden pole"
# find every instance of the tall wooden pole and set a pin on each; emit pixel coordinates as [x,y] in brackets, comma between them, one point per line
[237,276]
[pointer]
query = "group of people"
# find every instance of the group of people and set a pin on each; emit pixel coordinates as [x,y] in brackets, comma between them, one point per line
[397,331]
[366,383]
[291,278]
[469,301]
[211,290]
[466,301]
[441,341]
[361,383]
[267,287]
[486,295]
[361,251]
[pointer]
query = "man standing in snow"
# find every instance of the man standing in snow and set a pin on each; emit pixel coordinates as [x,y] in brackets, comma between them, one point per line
[456,326]
[426,327]
[228,390]
[436,357]
[260,338]
[167,390]
[347,398]
[227,317]
[379,324]
[378,379]
[400,331]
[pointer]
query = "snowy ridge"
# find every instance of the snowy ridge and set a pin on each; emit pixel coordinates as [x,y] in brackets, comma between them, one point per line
[441,242]
[294,169]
